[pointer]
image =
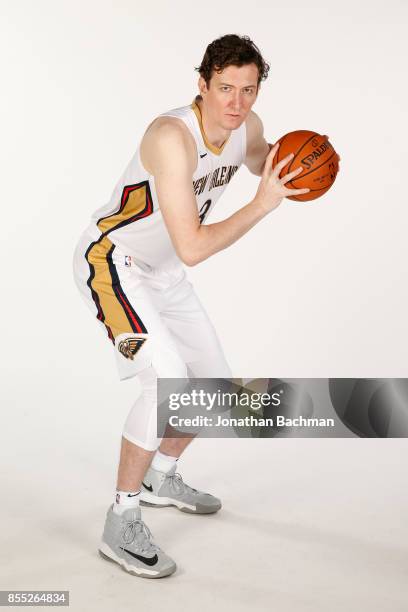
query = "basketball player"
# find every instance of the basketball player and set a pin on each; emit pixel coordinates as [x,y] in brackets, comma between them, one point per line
[128,266]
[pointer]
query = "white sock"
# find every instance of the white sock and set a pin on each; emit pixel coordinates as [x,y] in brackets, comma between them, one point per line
[163,463]
[125,500]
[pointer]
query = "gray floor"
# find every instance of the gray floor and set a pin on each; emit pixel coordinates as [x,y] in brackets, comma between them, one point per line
[306,524]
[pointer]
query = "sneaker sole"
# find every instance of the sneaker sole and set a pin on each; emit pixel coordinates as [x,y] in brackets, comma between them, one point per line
[107,553]
[152,501]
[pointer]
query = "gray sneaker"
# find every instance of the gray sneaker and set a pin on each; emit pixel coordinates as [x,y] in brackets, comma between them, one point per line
[168,489]
[128,541]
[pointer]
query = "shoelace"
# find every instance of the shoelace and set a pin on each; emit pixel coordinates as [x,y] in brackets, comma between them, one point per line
[178,485]
[136,528]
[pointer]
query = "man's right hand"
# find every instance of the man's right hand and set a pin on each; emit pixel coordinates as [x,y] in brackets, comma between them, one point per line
[272,190]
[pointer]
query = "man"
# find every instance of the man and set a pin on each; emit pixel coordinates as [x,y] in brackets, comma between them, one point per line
[128,268]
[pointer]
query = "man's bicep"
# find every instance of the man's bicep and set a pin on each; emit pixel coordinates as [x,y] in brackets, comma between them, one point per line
[173,174]
[177,202]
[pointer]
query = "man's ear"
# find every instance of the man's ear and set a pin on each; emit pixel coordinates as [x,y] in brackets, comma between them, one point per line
[202,86]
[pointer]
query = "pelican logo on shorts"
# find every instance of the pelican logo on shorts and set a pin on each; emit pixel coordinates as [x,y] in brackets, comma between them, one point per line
[130,346]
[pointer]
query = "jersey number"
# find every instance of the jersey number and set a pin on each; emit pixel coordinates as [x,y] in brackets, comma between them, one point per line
[204,210]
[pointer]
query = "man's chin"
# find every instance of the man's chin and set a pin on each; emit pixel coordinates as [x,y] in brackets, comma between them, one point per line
[233,123]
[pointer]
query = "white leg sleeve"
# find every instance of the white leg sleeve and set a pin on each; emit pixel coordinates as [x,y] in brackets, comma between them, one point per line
[141,424]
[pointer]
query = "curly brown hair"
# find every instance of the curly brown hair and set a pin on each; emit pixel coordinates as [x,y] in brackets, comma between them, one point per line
[231,50]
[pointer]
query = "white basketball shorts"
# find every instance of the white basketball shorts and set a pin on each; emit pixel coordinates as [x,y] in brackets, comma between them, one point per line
[152,316]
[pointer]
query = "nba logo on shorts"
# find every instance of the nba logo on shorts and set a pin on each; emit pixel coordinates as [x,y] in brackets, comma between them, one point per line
[128,260]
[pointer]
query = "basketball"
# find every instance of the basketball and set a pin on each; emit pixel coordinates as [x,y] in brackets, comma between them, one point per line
[317,157]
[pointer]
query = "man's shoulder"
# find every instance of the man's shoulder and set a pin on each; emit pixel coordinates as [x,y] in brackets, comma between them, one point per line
[164,137]
[165,126]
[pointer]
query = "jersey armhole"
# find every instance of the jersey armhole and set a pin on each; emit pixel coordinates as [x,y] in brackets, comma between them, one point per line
[139,159]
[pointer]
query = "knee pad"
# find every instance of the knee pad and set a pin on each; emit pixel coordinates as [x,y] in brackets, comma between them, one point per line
[141,424]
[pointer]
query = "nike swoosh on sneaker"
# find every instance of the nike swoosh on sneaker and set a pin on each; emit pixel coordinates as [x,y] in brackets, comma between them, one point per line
[203,155]
[147,560]
[149,488]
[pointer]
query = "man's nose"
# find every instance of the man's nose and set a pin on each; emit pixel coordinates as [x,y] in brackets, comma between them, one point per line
[236,101]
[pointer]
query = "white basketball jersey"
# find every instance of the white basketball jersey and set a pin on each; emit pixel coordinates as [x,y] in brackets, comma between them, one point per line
[132,219]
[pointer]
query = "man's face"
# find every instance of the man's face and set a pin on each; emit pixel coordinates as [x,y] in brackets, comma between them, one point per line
[231,95]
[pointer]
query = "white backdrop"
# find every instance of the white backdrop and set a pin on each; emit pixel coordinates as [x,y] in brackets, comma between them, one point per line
[314,290]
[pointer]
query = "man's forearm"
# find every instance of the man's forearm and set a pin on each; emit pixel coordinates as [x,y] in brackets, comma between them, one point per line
[215,237]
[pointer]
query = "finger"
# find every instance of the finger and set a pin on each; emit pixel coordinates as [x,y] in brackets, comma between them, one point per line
[291,175]
[270,156]
[282,164]
[297,191]
[273,150]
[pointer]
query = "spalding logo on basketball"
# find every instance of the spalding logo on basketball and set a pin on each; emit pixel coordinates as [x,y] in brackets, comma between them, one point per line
[318,158]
